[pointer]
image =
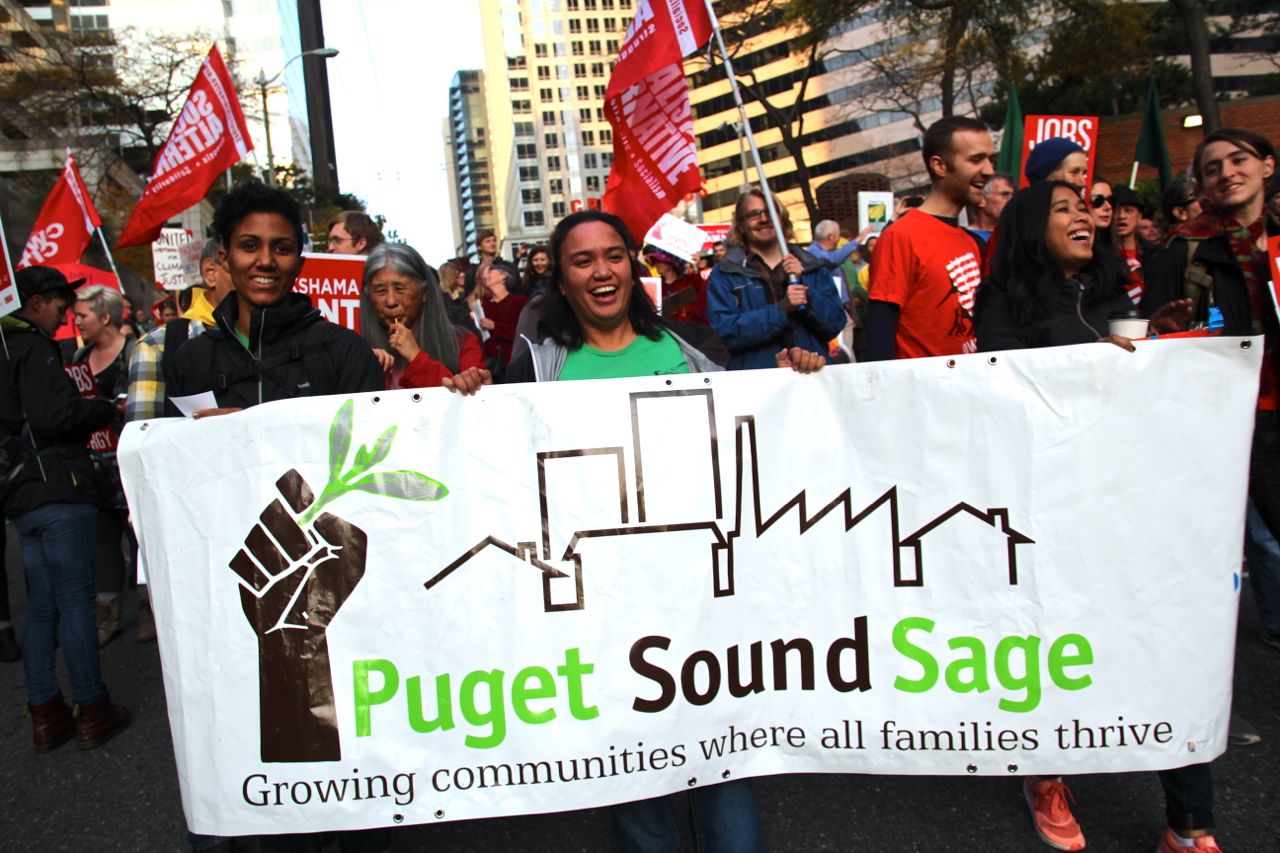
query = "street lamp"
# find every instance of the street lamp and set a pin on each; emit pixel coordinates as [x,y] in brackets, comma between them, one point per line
[262,83]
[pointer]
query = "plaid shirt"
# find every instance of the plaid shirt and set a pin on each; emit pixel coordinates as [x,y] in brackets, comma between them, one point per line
[146,378]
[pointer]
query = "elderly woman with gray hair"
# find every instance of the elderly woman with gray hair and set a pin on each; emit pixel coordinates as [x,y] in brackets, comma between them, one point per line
[405,321]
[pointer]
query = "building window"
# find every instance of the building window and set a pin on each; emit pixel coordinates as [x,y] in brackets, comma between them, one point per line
[566,94]
[546,94]
[599,91]
[527,151]
[524,128]
[534,219]
[612,46]
[606,159]
[593,26]
[528,173]
[583,93]
[562,72]
[540,51]
[521,107]
[606,137]
[551,140]
[606,4]
[531,196]
[610,25]
[584,114]
[579,69]
[519,84]
[589,161]
[548,116]
[553,163]
[599,113]
[589,5]
[559,209]
[571,5]
[575,27]
[517,62]
[624,4]
[597,69]
[555,186]
[544,72]
[576,48]
[588,137]
[593,183]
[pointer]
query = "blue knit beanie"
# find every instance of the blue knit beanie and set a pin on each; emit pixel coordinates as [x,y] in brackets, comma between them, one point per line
[1047,156]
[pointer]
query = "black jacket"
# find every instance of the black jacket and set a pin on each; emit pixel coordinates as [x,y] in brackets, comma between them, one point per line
[33,383]
[1078,315]
[293,352]
[1165,281]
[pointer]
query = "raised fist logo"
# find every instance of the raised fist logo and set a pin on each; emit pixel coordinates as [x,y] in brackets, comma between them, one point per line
[297,568]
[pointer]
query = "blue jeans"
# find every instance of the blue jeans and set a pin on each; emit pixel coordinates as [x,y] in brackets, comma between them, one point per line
[725,820]
[57,546]
[1263,554]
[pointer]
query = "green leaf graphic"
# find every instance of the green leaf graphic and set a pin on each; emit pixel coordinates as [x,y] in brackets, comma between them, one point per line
[407,485]
[340,440]
[383,447]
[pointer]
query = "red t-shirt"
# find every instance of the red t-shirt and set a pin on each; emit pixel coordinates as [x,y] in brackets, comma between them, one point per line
[1134,285]
[930,269]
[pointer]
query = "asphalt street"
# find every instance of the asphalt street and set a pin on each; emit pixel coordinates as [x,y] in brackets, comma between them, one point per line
[124,796]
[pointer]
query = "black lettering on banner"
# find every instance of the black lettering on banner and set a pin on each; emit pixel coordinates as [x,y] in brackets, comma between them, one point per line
[653,673]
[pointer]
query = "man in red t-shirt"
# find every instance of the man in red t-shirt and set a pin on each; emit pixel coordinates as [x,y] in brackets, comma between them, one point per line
[926,268]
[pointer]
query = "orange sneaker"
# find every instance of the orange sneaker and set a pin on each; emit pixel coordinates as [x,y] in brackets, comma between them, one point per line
[1051,814]
[1169,844]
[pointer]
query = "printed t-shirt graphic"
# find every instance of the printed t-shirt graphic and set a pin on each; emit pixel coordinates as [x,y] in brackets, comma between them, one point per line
[928,266]
[1134,285]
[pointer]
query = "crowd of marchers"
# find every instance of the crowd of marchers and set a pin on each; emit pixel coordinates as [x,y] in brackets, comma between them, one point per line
[974,265]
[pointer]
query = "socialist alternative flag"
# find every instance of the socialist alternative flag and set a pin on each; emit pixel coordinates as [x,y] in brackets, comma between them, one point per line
[655,160]
[209,137]
[65,224]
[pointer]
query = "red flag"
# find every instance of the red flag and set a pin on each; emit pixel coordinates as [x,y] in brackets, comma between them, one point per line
[209,137]
[65,224]
[655,160]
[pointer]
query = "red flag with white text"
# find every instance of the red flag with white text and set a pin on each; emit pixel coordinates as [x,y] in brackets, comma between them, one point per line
[209,137]
[65,224]
[655,159]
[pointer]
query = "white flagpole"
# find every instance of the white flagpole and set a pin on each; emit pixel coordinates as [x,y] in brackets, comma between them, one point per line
[751,140]
[1133,176]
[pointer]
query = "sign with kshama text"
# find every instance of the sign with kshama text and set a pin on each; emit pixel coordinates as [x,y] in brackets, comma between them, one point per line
[415,606]
[333,283]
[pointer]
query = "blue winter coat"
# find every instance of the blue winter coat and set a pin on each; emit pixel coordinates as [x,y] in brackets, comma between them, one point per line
[754,327]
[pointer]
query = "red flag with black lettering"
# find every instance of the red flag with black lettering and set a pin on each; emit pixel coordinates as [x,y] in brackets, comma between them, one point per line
[655,159]
[209,137]
[65,224]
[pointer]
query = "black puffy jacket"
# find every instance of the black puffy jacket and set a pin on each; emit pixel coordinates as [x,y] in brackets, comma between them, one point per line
[293,352]
[33,385]
[1078,314]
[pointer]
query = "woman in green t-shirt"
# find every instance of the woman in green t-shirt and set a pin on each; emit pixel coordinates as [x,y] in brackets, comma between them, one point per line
[601,324]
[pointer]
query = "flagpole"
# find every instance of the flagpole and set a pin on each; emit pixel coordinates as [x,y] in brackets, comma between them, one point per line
[1133,176]
[751,140]
[98,228]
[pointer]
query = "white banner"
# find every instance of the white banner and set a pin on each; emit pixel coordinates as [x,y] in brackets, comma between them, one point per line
[415,606]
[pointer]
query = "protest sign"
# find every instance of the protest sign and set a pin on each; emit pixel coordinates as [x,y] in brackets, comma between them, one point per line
[874,210]
[1083,130]
[1273,259]
[189,254]
[10,300]
[414,606]
[333,283]
[674,235]
[166,256]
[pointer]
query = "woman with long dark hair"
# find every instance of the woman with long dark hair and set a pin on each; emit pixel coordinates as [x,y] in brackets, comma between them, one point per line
[1050,285]
[405,321]
[537,272]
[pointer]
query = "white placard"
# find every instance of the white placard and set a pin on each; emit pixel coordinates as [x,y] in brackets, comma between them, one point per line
[875,210]
[674,235]
[166,255]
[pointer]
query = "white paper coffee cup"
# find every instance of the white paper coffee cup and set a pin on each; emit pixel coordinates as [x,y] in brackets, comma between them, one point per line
[1128,327]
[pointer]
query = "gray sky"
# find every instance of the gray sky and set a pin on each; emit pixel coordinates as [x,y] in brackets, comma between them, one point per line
[390,89]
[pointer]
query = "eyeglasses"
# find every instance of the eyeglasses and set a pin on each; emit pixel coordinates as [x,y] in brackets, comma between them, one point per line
[338,241]
[758,213]
[1100,200]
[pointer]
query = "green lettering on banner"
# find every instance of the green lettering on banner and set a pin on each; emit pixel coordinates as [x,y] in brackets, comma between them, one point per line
[976,663]
[909,650]
[365,700]
[1059,660]
[521,693]
[494,717]
[573,670]
[1030,680]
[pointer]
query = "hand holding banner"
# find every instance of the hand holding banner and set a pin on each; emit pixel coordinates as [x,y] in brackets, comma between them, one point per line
[209,137]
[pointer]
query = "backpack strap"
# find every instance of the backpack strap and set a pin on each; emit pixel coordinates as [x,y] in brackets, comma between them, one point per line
[176,333]
[1197,284]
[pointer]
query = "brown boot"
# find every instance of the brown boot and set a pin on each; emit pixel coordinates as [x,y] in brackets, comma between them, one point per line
[146,621]
[51,724]
[99,722]
[108,620]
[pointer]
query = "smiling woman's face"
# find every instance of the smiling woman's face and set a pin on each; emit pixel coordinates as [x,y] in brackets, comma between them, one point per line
[263,258]
[1069,232]
[596,275]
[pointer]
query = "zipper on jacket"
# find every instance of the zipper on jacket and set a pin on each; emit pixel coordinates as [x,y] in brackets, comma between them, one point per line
[1080,308]
[261,325]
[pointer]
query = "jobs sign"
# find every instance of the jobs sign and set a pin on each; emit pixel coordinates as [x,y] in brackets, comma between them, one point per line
[1082,130]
